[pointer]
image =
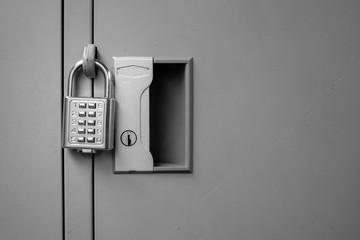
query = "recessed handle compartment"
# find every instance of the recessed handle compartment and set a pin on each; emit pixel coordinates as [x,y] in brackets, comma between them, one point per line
[153,126]
[171,115]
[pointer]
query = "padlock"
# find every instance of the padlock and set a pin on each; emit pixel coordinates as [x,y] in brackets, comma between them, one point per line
[88,123]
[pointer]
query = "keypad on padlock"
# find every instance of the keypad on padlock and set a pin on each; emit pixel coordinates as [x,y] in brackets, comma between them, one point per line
[87,118]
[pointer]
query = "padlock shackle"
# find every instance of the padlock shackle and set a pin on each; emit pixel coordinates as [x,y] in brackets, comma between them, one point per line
[103,68]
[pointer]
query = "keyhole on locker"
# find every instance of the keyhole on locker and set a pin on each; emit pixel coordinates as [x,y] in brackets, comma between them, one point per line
[128,138]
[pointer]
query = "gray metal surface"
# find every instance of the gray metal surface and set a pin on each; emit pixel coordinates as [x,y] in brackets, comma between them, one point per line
[276,140]
[78,167]
[30,120]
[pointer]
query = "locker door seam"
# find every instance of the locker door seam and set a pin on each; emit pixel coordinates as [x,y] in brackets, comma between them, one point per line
[62,49]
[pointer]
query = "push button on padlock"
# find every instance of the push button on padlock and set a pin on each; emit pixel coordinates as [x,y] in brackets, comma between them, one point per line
[92,105]
[91,131]
[82,122]
[81,130]
[82,105]
[91,122]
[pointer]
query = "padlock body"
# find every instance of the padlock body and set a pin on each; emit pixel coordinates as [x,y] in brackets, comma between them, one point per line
[88,123]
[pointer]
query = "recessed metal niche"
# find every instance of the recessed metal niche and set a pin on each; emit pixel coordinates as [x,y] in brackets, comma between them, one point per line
[171,112]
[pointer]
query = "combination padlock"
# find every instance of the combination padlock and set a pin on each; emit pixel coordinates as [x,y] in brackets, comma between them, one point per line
[88,123]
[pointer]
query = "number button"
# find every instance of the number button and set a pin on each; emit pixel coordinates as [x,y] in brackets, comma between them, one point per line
[81,139]
[91,122]
[91,131]
[82,114]
[81,130]
[92,114]
[82,122]
[82,105]
[92,105]
[90,139]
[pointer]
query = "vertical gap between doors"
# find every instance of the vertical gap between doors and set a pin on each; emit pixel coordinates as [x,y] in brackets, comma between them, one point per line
[93,155]
[61,107]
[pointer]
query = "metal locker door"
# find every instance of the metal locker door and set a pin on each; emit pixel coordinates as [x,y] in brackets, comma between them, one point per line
[275,108]
[78,168]
[30,120]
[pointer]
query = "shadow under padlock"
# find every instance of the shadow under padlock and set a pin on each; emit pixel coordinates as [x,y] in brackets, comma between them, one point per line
[153,126]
